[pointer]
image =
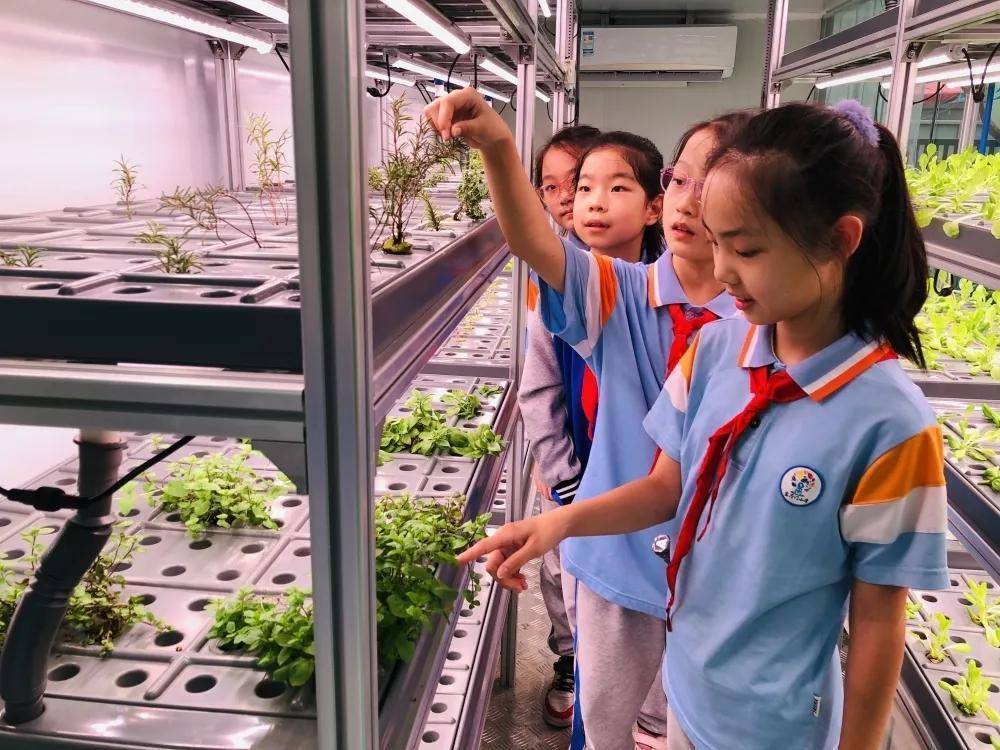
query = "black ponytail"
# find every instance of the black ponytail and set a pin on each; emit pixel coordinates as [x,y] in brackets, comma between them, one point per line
[647,162]
[806,166]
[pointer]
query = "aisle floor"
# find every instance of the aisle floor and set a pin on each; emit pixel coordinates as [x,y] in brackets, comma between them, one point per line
[514,721]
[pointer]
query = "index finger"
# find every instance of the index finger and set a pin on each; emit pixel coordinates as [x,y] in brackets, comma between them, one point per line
[445,115]
[482,547]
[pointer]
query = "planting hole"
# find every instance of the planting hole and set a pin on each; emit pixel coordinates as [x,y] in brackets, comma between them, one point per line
[132,290]
[949,680]
[957,639]
[450,470]
[268,689]
[441,487]
[66,482]
[4,522]
[64,672]
[137,261]
[282,579]
[407,467]
[928,597]
[431,737]
[72,257]
[465,612]
[291,502]
[460,634]
[446,679]
[149,541]
[13,554]
[228,575]
[992,688]
[199,605]
[302,552]
[44,286]
[286,267]
[454,656]
[252,549]
[132,513]
[170,638]
[173,570]
[954,582]
[397,486]
[200,454]
[217,294]
[174,517]
[219,439]
[121,567]
[200,684]
[983,737]
[132,678]
[294,298]
[439,708]
[966,602]
[145,599]
[201,544]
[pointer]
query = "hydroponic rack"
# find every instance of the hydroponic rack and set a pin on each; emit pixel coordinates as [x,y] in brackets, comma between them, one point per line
[351,336]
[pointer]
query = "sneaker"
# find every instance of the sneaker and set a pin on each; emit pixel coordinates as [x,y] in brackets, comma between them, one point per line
[646,741]
[557,711]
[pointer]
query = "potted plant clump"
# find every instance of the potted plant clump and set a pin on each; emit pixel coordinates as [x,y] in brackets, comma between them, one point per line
[414,163]
[472,190]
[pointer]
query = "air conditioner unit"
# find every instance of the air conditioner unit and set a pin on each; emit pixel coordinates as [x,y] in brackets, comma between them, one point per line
[656,55]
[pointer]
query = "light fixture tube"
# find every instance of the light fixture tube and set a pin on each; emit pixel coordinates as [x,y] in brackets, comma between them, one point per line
[431,20]
[542,95]
[493,94]
[854,76]
[380,76]
[959,70]
[189,20]
[543,5]
[265,8]
[425,69]
[489,63]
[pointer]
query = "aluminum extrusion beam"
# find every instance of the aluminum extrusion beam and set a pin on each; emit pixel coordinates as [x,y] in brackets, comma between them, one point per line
[871,37]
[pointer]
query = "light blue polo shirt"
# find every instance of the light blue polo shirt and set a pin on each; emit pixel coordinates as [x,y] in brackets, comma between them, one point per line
[845,484]
[615,315]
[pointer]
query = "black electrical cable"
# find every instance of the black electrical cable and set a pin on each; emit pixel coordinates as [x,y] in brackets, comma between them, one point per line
[447,83]
[513,99]
[940,88]
[548,111]
[500,111]
[979,92]
[282,58]
[378,94]
[53,498]
[475,72]
[809,95]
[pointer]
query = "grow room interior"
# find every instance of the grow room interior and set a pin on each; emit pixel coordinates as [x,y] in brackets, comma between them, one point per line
[265,341]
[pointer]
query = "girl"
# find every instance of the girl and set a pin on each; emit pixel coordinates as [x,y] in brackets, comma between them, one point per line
[806,467]
[631,323]
[552,386]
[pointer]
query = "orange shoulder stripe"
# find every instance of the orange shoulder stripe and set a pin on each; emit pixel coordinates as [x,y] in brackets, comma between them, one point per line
[609,286]
[916,462]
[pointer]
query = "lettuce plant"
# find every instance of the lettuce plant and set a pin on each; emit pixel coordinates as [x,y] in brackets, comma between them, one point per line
[936,639]
[971,693]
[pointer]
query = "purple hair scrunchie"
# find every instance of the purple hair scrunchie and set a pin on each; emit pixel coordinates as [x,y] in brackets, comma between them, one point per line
[861,118]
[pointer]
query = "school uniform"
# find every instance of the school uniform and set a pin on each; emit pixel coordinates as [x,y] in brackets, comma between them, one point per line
[620,317]
[831,470]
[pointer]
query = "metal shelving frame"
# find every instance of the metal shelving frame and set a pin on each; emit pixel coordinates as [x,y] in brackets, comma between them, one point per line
[356,359]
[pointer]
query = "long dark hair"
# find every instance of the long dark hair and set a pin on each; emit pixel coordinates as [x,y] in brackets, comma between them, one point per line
[647,162]
[573,139]
[806,166]
[724,128]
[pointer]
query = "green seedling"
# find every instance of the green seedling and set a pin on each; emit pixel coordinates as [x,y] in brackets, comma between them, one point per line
[269,166]
[169,250]
[202,206]
[912,610]
[432,216]
[463,405]
[936,639]
[991,414]
[983,610]
[218,491]
[125,184]
[413,538]
[24,256]
[277,630]
[472,189]
[971,442]
[991,478]
[489,390]
[971,693]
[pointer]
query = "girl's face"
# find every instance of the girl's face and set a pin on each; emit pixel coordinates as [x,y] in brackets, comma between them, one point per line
[768,274]
[611,210]
[558,190]
[686,236]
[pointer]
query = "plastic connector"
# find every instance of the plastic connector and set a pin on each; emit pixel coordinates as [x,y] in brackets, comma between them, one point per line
[46,499]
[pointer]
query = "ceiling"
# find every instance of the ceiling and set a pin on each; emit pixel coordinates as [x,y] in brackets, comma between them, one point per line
[730,6]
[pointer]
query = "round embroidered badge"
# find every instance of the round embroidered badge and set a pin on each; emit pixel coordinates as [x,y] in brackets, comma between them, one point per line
[801,485]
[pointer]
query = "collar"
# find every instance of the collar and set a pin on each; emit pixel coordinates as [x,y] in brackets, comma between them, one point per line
[826,371]
[664,288]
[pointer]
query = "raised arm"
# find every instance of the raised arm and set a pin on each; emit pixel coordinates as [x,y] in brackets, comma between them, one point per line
[637,505]
[465,114]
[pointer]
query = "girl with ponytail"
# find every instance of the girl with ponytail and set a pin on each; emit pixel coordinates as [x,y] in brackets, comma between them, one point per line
[804,466]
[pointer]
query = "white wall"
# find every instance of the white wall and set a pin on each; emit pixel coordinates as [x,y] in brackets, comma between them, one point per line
[265,89]
[663,114]
[81,85]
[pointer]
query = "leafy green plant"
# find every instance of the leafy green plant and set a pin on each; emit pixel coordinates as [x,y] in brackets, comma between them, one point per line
[414,162]
[277,630]
[971,442]
[983,610]
[472,189]
[423,431]
[98,610]
[489,390]
[991,414]
[912,610]
[463,405]
[413,537]
[431,214]
[269,166]
[991,478]
[936,639]
[24,256]
[125,184]
[482,441]
[170,252]
[202,206]
[217,490]
[971,694]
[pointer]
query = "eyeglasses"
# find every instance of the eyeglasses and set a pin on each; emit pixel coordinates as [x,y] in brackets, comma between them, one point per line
[673,181]
[552,188]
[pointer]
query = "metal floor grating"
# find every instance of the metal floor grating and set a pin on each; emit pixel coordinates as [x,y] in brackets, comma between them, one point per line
[514,721]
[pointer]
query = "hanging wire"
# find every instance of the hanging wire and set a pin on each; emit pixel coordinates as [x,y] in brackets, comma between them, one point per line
[548,111]
[282,58]
[940,88]
[810,94]
[475,71]
[979,92]
[379,94]
[447,83]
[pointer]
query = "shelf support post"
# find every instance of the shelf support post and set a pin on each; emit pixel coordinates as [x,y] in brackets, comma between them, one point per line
[774,50]
[227,54]
[904,73]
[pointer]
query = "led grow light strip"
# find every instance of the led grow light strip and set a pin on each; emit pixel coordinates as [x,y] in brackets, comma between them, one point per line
[426,69]
[878,70]
[490,63]
[198,23]
[959,70]
[431,20]
[543,5]
[543,96]
[265,8]
[378,75]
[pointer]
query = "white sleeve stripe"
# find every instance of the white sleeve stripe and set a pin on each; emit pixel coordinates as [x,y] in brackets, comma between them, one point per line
[923,509]
[592,308]
[677,389]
